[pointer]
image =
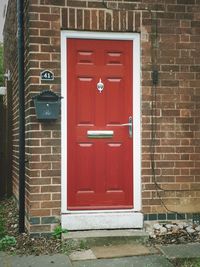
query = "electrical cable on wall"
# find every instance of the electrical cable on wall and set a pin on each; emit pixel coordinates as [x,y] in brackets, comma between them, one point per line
[155,77]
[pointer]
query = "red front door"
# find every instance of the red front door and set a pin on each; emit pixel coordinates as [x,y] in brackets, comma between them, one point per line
[100,164]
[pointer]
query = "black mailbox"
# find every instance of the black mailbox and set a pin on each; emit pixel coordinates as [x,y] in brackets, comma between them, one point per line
[47,105]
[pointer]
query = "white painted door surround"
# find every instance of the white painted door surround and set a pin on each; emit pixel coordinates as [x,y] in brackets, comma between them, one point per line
[113,218]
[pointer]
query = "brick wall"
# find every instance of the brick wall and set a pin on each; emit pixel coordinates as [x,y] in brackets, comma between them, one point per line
[10,63]
[170,110]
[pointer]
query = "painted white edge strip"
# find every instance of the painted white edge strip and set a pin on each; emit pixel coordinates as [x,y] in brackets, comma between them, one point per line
[137,136]
[63,123]
[135,37]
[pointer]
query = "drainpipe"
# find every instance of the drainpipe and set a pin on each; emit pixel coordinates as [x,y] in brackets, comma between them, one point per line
[20,17]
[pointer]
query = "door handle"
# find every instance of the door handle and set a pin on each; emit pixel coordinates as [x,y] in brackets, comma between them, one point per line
[130,126]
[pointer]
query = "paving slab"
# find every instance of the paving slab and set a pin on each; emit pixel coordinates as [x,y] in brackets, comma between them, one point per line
[57,260]
[82,255]
[121,251]
[181,251]
[137,261]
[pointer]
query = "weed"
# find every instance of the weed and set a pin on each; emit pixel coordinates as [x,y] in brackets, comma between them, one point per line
[2,223]
[186,262]
[83,245]
[6,242]
[58,231]
[2,228]
[192,263]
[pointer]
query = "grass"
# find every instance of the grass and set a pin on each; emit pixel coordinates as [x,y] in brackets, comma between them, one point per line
[186,262]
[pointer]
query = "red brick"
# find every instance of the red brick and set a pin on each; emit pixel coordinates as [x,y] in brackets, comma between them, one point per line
[116,20]
[55,2]
[176,8]
[56,181]
[56,196]
[50,173]
[40,40]
[101,20]
[72,18]
[50,204]
[50,17]
[40,228]
[87,19]
[39,24]
[40,150]
[137,21]
[171,112]
[40,181]
[95,18]
[50,188]
[40,197]
[40,166]
[186,2]
[76,3]
[40,212]
[80,19]
[56,212]
[64,18]
[39,9]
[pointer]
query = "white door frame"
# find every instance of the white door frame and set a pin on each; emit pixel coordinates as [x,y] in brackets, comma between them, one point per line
[103,219]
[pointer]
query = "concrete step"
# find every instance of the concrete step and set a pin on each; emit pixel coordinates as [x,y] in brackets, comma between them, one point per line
[86,239]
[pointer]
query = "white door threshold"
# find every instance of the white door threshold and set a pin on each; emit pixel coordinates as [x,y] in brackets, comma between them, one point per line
[103,220]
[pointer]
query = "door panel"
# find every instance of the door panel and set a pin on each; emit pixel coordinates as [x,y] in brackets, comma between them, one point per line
[85,114]
[114,172]
[100,170]
[113,99]
[85,171]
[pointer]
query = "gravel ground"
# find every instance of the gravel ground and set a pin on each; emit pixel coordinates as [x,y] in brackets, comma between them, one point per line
[26,245]
[176,233]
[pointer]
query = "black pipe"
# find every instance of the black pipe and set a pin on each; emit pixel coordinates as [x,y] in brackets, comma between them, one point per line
[20,16]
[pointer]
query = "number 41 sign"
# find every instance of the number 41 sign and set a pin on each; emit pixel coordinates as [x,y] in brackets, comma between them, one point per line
[47,75]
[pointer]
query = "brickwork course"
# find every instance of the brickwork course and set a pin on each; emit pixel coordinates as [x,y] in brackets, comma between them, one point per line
[170,36]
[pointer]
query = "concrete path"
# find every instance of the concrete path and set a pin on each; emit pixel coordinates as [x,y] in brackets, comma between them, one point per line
[137,261]
[34,261]
[115,260]
[181,251]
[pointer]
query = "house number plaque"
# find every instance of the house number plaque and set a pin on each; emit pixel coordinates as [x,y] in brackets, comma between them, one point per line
[47,75]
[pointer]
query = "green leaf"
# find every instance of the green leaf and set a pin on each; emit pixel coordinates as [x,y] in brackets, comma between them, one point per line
[7,241]
[58,231]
